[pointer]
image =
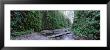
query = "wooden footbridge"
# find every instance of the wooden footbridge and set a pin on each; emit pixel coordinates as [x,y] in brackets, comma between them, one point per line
[56,33]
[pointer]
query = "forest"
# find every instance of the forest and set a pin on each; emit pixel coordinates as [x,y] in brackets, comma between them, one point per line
[85,24]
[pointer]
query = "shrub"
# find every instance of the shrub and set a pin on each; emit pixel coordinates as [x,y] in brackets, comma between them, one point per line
[37,20]
[87,24]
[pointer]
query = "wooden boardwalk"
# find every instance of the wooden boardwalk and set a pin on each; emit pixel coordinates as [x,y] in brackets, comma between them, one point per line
[57,33]
[60,34]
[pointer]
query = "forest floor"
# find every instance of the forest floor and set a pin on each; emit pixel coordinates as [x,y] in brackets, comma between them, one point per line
[32,36]
[38,36]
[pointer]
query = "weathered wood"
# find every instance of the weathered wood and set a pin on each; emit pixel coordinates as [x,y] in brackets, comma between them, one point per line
[60,34]
[56,33]
[45,32]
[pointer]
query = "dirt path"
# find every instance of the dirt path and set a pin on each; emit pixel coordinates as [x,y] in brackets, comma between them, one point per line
[63,34]
[38,36]
[33,36]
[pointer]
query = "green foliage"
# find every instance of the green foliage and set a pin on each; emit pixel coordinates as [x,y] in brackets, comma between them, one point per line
[87,24]
[21,21]
[34,20]
[54,20]
[21,33]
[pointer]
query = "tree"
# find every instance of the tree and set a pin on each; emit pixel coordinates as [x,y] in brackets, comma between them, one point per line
[22,21]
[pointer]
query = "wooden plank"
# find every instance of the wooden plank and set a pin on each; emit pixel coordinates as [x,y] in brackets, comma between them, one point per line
[59,34]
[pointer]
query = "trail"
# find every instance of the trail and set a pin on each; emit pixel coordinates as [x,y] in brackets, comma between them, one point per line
[39,36]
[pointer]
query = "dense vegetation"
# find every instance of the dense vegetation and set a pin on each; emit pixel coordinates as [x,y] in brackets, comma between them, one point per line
[87,24]
[23,22]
